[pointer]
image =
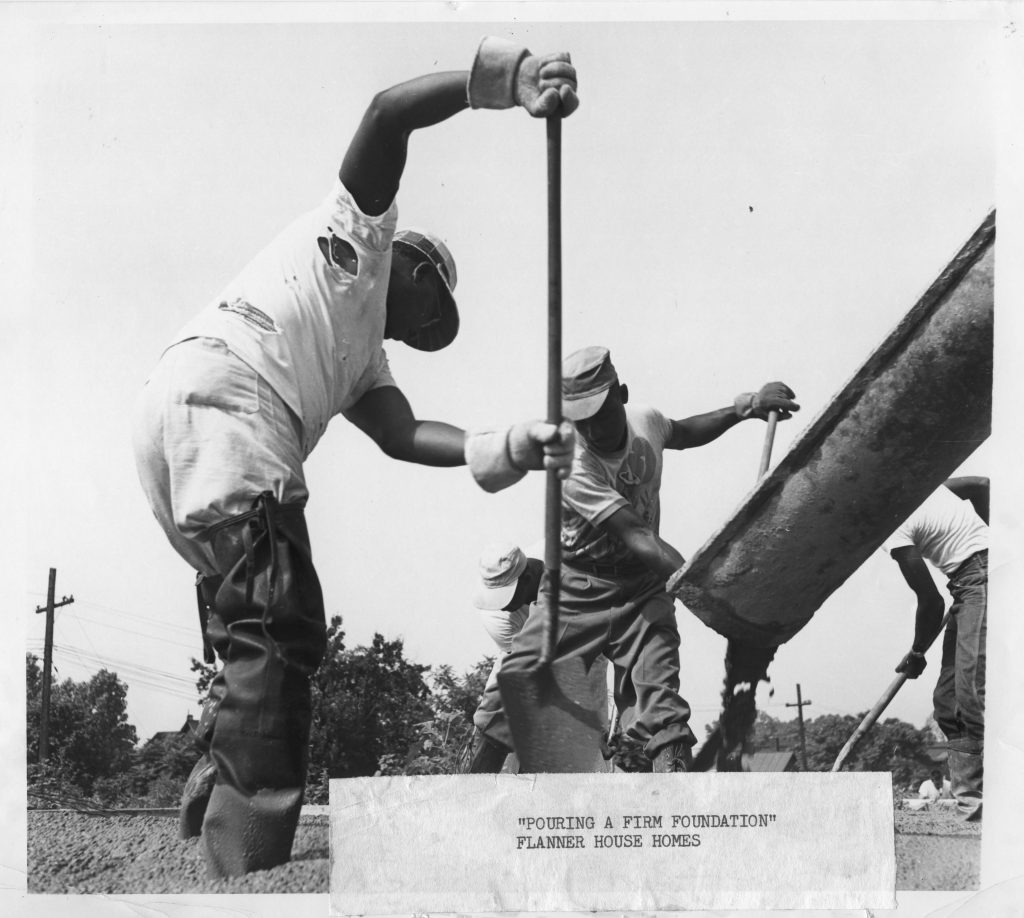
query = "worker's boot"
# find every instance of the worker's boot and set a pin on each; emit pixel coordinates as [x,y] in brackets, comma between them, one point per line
[673,758]
[267,625]
[966,773]
[488,756]
[196,796]
[627,754]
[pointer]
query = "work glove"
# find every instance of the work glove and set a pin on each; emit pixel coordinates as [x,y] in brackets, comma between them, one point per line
[539,445]
[547,84]
[499,458]
[506,74]
[773,396]
[912,665]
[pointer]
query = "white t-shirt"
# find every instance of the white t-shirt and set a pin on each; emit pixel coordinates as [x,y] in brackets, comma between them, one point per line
[928,790]
[502,625]
[602,483]
[944,529]
[307,313]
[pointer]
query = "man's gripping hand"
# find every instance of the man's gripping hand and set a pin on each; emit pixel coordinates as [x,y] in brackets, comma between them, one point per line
[912,665]
[547,84]
[539,445]
[773,396]
[505,74]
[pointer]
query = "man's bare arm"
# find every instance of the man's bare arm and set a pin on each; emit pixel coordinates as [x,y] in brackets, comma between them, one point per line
[375,159]
[497,457]
[386,417]
[930,607]
[643,542]
[503,74]
[704,428]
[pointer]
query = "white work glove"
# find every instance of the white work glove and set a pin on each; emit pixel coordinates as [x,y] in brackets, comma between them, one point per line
[505,74]
[499,458]
[547,84]
[540,445]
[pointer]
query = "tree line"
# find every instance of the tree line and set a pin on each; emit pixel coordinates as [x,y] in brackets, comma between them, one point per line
[374,712]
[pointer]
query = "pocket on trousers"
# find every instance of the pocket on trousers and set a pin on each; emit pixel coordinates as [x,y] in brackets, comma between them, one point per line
[228,385]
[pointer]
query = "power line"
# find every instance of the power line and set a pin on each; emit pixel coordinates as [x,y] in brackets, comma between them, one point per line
[162,640]
[133,616]
[125,665]
[143,681]
[134,675]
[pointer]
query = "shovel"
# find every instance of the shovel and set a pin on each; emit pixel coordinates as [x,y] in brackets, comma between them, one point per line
[869,719]
[556,710]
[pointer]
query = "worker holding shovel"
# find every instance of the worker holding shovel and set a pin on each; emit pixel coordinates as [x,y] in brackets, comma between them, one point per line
[948,531]
[613,598]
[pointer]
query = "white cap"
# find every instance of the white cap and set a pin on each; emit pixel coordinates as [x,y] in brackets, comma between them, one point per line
[501,566]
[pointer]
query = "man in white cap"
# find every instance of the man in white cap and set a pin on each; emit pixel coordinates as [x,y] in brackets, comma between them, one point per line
[509,580]
[615,565]
[245,392]
[508,585]
[950,531]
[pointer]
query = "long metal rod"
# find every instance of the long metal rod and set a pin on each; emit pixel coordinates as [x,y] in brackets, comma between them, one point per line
[553,501]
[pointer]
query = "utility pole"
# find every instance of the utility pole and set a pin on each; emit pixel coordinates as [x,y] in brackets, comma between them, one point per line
[799,705]
[44,715]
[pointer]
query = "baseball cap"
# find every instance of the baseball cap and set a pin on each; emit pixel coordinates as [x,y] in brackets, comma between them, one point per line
[587,375]
[442,333]
[501,566]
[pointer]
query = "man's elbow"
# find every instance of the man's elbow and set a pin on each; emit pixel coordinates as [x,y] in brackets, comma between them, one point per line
[393,440]
[383,114]
[396,447]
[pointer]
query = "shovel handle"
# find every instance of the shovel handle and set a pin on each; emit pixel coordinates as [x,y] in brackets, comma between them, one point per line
[769,439]
[553,496]
[869,719]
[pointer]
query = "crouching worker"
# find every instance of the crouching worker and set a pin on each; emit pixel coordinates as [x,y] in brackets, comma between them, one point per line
[509,580]
[508,585]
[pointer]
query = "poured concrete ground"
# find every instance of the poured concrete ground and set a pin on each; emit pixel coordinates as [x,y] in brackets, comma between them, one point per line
[71,852]
[935,849]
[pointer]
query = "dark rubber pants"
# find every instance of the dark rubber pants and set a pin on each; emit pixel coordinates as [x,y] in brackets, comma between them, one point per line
[196,794]
[267,626]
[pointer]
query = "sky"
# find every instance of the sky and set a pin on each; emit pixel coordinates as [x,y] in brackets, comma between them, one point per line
[742,201]
[711,247]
